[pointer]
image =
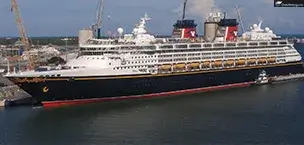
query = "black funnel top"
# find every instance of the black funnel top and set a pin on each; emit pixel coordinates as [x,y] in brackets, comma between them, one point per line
[185,24]
[228,22]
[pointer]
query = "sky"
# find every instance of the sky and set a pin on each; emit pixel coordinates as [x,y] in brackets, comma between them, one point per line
[67,17]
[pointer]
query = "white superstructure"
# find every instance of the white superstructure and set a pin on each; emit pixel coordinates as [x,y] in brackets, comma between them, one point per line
[142,53]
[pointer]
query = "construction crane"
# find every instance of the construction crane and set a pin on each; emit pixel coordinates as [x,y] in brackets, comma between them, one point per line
[22,32]
[99,13]
[239,17]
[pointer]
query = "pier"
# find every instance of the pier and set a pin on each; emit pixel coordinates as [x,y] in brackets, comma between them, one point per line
[11,95]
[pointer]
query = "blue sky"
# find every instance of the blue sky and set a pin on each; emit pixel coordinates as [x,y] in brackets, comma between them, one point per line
[66,17]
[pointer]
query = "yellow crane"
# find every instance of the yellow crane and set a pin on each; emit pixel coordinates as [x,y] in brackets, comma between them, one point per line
[22,32]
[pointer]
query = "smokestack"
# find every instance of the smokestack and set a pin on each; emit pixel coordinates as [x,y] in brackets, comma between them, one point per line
[98,33]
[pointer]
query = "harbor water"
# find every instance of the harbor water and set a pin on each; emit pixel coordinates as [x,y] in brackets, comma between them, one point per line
[268,114]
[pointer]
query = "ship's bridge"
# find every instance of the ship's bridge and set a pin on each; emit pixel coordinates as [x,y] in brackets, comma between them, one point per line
[92,61]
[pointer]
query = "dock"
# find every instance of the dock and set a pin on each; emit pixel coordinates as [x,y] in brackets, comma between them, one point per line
[12,95]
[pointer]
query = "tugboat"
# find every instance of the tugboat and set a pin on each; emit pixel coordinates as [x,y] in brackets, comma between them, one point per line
[262,79]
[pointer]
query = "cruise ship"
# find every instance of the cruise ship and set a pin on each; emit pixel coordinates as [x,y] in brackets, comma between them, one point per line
[139,65]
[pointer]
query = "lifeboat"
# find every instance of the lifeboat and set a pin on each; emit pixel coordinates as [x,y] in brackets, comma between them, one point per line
[251,61]
[262,60]
[271,59]
[206,63]
[195,65]
[180,66]
[217,63]
[241,61]
[230,62]
[165,67]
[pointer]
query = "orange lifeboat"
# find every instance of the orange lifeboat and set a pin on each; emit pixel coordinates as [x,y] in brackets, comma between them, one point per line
[262,60]
[180,66]
[271,59]
[251,61]
[165,67]
[195,65]
[230,62]
[217,63]
[241,61]
[206,63]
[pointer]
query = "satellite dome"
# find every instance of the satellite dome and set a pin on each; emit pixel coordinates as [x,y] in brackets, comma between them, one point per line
[135,30]
[267,29]
[120,30]
[270,31]
[244,35]
[255,25]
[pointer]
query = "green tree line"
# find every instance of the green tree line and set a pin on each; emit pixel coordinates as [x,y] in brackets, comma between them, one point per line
[43,41]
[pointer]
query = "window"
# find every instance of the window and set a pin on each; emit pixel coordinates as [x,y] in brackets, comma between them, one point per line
[273,43]
[242,44]
[218,45]
[230,44]
[166,46]
[207,45]
[180,46]
[253,43]
[263,43]
[196,45]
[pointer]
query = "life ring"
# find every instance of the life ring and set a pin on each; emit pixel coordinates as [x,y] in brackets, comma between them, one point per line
[45,89]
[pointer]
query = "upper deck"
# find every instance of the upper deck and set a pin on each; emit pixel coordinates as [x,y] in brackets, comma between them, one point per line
[171,43]
[140,40]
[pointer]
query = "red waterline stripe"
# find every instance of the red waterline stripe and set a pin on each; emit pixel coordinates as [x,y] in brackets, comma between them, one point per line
[48,104]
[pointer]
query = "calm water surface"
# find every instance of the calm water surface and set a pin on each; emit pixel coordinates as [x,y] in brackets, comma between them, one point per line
[272,114]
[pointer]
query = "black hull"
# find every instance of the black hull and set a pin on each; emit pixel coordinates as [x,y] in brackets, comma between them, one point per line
[93,88]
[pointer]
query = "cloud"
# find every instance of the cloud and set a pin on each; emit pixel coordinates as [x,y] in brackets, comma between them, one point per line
[252,12]
[201,8]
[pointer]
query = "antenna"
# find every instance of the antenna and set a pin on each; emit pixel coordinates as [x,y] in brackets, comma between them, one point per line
[240,18]
[184,10]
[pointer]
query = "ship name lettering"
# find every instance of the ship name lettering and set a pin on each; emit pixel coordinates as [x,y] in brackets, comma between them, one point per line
[33,80]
